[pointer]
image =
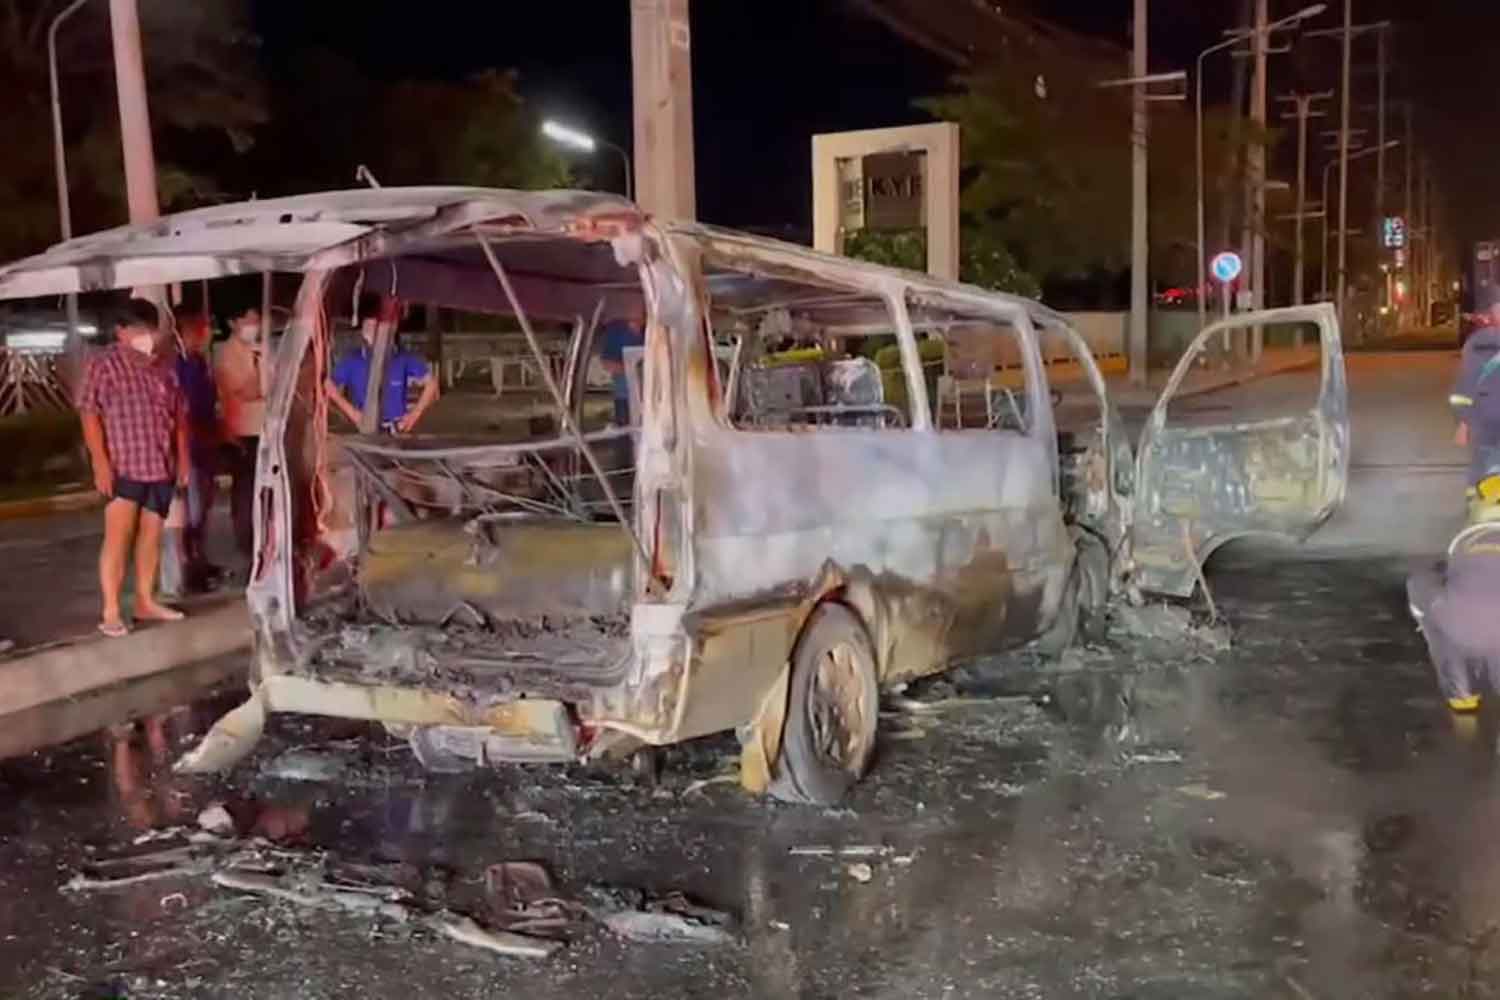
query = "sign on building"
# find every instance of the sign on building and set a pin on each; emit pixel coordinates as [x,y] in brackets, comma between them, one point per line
[892,191]
[892,178]
[1393,232]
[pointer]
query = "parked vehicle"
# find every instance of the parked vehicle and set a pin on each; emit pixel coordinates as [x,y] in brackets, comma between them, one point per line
[787,527]
[1481,274]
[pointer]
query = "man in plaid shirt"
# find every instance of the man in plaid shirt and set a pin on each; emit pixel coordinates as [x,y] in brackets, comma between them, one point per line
[135,425]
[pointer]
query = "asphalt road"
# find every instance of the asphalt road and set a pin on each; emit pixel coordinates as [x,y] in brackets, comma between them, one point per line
[1296,817]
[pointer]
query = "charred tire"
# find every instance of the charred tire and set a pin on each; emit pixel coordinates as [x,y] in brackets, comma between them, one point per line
[1063,631]
[832,705]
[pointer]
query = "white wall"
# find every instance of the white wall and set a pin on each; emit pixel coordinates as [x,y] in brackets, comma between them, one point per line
[1103,331]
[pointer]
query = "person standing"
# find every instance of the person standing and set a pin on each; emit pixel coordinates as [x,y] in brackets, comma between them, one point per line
[1476,397]
[403,370]
[197,380]
[1454,604]
[616,336]
[237,375]
[135,426]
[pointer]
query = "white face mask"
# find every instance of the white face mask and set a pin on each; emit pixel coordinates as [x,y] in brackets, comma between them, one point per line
[249,332]
[143,342]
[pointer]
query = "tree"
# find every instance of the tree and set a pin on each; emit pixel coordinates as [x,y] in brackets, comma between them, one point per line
[1047,161]
[330,119]
[205,96]
[479,132]
[984,259]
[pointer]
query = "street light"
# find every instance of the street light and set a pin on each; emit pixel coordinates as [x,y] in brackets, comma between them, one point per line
[585,143]
[60,164]
[1306,12]
[1392,144]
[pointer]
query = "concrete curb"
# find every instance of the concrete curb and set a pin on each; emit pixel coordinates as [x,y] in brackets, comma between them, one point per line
[60,503]
[65,503]
[64,672]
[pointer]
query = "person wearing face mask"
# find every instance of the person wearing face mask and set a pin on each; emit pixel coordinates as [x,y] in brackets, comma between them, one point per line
[351,376]
[135,425]
[238,376]
[196,377]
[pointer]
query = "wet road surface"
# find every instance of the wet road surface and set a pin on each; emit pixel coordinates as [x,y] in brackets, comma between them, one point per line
[1292,818]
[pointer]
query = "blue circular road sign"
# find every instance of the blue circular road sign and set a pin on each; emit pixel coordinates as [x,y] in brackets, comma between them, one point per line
[1226,266]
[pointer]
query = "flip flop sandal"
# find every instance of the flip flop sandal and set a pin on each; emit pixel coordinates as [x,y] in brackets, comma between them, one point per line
[113,630]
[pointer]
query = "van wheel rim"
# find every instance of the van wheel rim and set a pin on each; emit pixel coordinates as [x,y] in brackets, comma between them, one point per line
[839,708]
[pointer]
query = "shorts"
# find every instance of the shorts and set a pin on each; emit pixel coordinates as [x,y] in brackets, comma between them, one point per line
[154,496]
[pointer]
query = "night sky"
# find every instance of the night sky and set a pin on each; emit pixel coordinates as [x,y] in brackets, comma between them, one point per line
[770,73]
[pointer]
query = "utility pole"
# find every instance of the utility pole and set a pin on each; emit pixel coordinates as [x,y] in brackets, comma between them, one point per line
[662,72]
[1429,238]
[1304,111]
[135,116]
[1140,192]
[1412,264]
[1380,141]
[1344,159]
[1260,44]
[1346,36]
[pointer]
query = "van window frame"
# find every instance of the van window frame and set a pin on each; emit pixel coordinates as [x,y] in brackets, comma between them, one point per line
[890,292]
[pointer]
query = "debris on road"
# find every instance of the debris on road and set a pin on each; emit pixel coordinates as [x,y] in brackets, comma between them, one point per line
[1156,757]
[718,779]
[860,871]
[914,706]
[216,820]
[847,851]
[1167,623]
[312,879]
[319,894]
[322,767]
[1202,791]
[530,919]
[670,919]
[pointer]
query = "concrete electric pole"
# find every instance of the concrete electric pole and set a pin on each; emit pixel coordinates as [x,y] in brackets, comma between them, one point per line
[1303,111]
[1344,78]
[135,116]
[1256,176]
[1380,140]
[1140,192]
[662,70]
[1346,35]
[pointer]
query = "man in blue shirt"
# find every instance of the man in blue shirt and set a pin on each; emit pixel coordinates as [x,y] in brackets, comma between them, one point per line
[617,335]
[351,376]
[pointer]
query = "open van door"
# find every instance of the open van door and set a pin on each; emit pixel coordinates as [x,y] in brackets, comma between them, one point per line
[1276,466]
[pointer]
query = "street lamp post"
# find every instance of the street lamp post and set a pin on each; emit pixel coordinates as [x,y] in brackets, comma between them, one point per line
[1391,144]
[1238,36]
[60,164]
[572,138]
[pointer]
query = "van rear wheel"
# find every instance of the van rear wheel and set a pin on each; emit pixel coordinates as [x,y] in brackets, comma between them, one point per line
[833,703]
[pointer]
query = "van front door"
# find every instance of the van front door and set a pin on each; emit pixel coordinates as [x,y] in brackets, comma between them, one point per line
[1273,463]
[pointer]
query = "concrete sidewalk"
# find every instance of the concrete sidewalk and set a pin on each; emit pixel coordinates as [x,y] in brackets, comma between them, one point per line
[49,608]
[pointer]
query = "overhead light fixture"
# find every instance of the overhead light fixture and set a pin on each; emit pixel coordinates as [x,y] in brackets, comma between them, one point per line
[571,137]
